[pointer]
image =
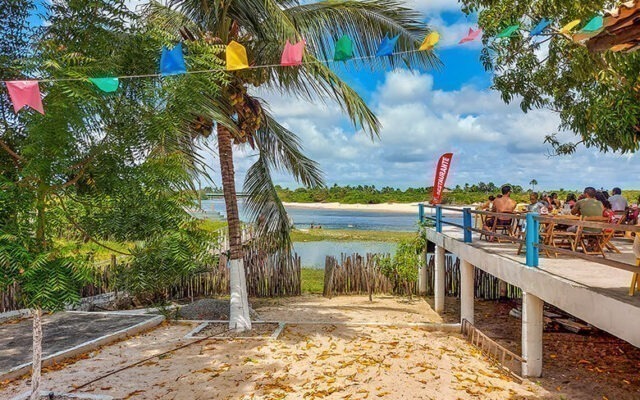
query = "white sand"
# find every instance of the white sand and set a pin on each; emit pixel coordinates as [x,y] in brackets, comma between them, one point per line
[405,208]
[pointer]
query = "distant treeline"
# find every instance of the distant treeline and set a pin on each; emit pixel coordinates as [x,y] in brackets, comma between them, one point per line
[365,194]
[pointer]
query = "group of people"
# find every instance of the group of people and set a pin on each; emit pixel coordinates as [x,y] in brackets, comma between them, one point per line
[591,203]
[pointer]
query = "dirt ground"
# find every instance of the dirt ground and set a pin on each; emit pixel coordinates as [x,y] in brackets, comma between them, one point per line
[338,359]
[585,366]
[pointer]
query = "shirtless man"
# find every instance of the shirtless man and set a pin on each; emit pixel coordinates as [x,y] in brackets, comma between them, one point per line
[504,204]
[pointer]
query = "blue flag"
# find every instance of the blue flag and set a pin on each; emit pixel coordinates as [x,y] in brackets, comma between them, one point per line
[594,25]
[172,61]
[387,46]
[542,25]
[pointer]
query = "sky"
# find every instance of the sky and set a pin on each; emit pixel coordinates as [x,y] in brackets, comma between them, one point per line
[425,113]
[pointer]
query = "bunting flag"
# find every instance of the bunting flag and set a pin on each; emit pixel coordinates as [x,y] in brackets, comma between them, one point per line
[236,56]
[430,41]
[107,85]
[386,46]
[594,25]
[292,54]
[508,31]
[344,49]
[172,61]
[25,93]
[471,36]
[565,30]
[538,29]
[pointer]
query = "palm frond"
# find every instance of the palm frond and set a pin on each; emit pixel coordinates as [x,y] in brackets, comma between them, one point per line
[281,150]
[265,208]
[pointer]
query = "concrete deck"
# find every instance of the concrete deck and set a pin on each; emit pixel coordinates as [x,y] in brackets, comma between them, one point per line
[65,333]
[593,292]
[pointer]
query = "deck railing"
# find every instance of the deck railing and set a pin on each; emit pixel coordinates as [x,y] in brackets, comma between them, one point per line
[530,229]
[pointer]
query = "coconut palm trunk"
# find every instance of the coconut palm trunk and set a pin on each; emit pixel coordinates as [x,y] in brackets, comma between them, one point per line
[239,318]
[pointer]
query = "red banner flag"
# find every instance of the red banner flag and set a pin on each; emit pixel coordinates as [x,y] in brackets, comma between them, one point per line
[441,177]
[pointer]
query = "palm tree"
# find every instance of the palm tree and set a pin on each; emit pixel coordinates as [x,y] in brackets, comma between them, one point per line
[263,26]
[533,184]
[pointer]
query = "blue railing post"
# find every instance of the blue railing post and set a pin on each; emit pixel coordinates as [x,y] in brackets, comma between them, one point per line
[421,212]
[466,222]
[532,239]
[438,219]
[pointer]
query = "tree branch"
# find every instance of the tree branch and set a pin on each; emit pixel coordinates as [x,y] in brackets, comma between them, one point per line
[17,158]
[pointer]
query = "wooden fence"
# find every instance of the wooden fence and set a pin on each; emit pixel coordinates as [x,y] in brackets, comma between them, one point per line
[268,275]
[354,272]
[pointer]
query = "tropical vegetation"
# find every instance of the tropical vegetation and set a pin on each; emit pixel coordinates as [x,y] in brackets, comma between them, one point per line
[262,27]
[595,95]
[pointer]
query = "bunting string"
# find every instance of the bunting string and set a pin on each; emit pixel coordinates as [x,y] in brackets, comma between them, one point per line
[26,92]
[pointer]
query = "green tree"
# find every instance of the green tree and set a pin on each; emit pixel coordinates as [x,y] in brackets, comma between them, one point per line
[98,165]
[263,26]
[533,184]
[595,94]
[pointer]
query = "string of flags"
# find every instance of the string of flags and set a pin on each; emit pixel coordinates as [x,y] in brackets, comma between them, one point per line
[25,93]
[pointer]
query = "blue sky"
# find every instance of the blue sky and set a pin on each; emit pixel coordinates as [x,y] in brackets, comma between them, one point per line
[426,113]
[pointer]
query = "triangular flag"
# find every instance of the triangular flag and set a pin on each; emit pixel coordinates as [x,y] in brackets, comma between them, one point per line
[508,31]
[172,61]
[236,56]
[107,85]
[430,41]
[594,25]
[344,49]
[471,36]
[292,54]
[386,46]
[25,93]
[568,27]
[542,25]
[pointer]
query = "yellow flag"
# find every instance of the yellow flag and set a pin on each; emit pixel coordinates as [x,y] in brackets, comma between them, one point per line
[430,41]
[236,56]
[565,30]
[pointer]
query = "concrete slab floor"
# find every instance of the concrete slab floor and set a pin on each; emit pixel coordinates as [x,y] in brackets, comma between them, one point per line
[61,331]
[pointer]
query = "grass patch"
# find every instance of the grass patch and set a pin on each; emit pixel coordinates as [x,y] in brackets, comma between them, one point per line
[316,235]
[312,280]
[212,226]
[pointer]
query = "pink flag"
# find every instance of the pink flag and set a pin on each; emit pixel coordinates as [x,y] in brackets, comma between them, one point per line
[25,93]
[292,54]
[471,36]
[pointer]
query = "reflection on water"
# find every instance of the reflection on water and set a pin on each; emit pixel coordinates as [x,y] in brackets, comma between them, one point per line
[313,254]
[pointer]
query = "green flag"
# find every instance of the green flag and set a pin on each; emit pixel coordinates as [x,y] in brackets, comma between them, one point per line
[106,84]
[508,31]
[344,49]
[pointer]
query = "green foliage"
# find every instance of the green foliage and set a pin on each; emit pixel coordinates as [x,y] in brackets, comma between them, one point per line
[595,94]
[314,235]
[163,261]
[403,267]
[312,280]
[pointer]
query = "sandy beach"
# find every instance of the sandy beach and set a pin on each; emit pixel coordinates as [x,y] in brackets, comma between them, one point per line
[404,208]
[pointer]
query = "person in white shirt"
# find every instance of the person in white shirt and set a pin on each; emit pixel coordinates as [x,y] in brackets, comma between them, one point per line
[618,203]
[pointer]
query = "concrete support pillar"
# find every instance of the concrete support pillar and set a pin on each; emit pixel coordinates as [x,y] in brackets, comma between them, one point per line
[422,276]
[466,291]
[532,326]
[438,286]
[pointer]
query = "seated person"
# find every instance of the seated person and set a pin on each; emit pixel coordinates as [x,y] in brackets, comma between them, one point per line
[569,203]
[587,207]
[536,205]
[618,203]
[607,212]
[487,205]
[503,204]
[555,201]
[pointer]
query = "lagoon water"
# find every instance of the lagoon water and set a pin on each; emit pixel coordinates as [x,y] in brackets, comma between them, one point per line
[313,254]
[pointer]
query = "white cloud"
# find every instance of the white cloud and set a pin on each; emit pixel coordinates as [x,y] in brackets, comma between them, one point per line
[492,141]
